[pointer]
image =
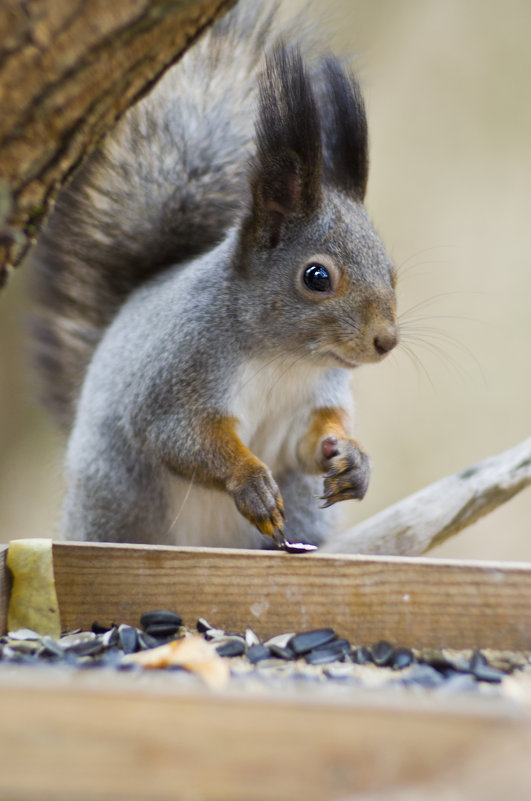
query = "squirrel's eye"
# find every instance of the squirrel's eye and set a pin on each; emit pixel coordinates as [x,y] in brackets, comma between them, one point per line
[317,278]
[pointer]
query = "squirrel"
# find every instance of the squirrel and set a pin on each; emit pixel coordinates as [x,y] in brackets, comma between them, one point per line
[207,281]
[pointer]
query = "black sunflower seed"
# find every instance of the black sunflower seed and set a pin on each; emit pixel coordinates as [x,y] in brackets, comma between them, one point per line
[161,631]
[331,652]
[256,653]
[361,655]
[382,653]
[128,638]
[280,652]
[232,648]
[160,617]
[481,669]
[308,640]
[403,658]
[99,628]
[86,647]
[443,664]
[146,641]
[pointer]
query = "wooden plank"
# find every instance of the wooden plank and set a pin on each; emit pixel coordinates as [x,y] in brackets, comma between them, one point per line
[124,745]
[411,601]
[5,589]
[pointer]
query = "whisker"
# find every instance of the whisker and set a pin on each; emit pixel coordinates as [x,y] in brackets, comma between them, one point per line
[420,252]
[423,303]
[444,357]
[187,495]
[421,334]
[417,363]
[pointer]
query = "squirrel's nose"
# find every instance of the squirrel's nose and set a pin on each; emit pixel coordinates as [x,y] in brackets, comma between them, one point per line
[385,340]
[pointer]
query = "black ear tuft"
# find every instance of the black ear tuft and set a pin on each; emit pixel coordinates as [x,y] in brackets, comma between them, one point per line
[345,129]
[286,177]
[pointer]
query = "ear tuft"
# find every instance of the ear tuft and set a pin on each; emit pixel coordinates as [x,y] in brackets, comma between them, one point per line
[345,129]
[286,175]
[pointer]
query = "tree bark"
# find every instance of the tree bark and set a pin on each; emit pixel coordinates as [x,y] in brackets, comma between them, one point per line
[429,517]
[68,70]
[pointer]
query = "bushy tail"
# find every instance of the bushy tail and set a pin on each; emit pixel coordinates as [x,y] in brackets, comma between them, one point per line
[162,188]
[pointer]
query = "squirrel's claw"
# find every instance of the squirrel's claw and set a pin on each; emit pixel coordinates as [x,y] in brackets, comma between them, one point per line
[347,476]
[258,499]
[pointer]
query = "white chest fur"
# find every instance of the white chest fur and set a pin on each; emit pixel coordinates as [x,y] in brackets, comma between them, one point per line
[272,401]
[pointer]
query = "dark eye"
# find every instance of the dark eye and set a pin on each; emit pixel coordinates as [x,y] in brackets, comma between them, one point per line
[317,278]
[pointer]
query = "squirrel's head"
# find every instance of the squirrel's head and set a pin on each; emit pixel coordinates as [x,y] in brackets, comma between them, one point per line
[324,283]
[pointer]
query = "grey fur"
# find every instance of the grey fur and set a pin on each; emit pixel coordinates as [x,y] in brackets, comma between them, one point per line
[174,297]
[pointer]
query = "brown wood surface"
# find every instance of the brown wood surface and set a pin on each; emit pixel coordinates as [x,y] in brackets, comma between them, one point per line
[412,602]
[116,736]
[120,742]
[68,70]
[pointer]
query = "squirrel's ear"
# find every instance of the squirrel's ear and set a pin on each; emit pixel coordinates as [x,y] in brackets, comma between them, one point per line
[286,173]
[346,151]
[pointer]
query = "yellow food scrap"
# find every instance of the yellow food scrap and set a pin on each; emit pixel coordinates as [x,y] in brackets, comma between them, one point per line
[192,653]
[33,602]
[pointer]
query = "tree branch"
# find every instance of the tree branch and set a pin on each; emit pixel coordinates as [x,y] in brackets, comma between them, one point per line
[429,517]
[68,70]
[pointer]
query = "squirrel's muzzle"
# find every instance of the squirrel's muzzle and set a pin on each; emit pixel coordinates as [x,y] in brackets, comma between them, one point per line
[385,339]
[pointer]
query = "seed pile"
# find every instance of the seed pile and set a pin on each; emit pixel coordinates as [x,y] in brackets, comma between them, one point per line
[318,655]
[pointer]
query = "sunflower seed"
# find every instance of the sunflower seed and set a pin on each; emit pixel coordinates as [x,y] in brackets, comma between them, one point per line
[51,647]
[86,648]
[99,628]
[382,653]
[403,658]
[481,669]
[214,634]
[23,634]
[361,655]
[27,647]
[251,638]
[110,638]
[298,547]
[162,631]
[281,653]
[308,640]
[128,638]
[280,639]
[332,651]
[159,617]
[146,641]
[232,647]
[257,652]
[69,640]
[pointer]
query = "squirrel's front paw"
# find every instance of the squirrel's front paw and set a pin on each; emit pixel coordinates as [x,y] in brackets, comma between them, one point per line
[347,470]
[258,499]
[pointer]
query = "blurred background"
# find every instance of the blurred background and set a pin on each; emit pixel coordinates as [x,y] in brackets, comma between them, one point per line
[448,92]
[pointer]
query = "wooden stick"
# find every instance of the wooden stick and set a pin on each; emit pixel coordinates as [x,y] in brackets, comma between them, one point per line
[441,510]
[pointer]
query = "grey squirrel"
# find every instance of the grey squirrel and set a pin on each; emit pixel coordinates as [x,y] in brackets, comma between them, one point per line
[207,281]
